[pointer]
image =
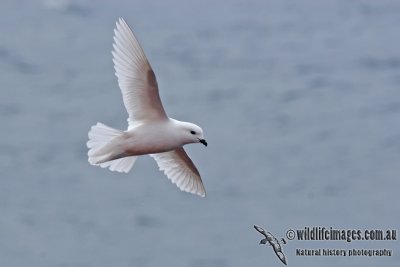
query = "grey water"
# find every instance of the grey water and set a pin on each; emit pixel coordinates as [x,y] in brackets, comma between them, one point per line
[299,101]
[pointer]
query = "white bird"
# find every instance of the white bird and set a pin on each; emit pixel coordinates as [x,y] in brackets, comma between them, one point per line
[150,130]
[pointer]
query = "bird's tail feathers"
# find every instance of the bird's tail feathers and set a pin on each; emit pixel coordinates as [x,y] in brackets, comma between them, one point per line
[102,149]
[120,165]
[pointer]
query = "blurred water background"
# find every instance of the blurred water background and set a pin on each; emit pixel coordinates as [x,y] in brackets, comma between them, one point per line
[299,101]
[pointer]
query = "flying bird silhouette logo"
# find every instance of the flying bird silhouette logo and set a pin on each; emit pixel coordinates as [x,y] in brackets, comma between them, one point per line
[272,241]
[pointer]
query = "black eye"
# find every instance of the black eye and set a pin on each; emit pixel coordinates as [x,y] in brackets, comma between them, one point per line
[192,132]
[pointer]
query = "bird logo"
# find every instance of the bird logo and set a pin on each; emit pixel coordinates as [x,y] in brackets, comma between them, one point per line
[272,241]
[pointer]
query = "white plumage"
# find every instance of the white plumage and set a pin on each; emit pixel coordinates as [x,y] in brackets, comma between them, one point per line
[150,131]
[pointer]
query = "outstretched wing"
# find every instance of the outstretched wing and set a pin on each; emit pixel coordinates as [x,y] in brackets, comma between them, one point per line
[135,77]
[179,168]
[281,256]
[277,248]
[260,230]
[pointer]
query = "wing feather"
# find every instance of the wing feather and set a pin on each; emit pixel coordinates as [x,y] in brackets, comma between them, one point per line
[136,78]
[179,168]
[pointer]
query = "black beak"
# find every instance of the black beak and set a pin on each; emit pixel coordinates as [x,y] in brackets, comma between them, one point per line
[203,141]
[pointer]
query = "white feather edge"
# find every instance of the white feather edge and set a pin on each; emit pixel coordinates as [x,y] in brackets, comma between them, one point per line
[99,135]
[179,173]
[139,89]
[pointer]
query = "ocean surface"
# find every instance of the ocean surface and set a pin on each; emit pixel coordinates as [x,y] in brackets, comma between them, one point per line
[299,102]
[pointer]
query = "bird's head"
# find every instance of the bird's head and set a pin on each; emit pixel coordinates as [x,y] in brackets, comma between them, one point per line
[263,241]
[191,133]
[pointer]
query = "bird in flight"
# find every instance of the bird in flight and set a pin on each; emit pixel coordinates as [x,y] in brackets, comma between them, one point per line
[272,241]
[150,130]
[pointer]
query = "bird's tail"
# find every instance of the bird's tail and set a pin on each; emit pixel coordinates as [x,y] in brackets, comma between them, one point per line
[102,149]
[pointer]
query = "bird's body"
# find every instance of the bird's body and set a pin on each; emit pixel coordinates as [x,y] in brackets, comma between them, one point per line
[153,137]
[150,130]
[142,139]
